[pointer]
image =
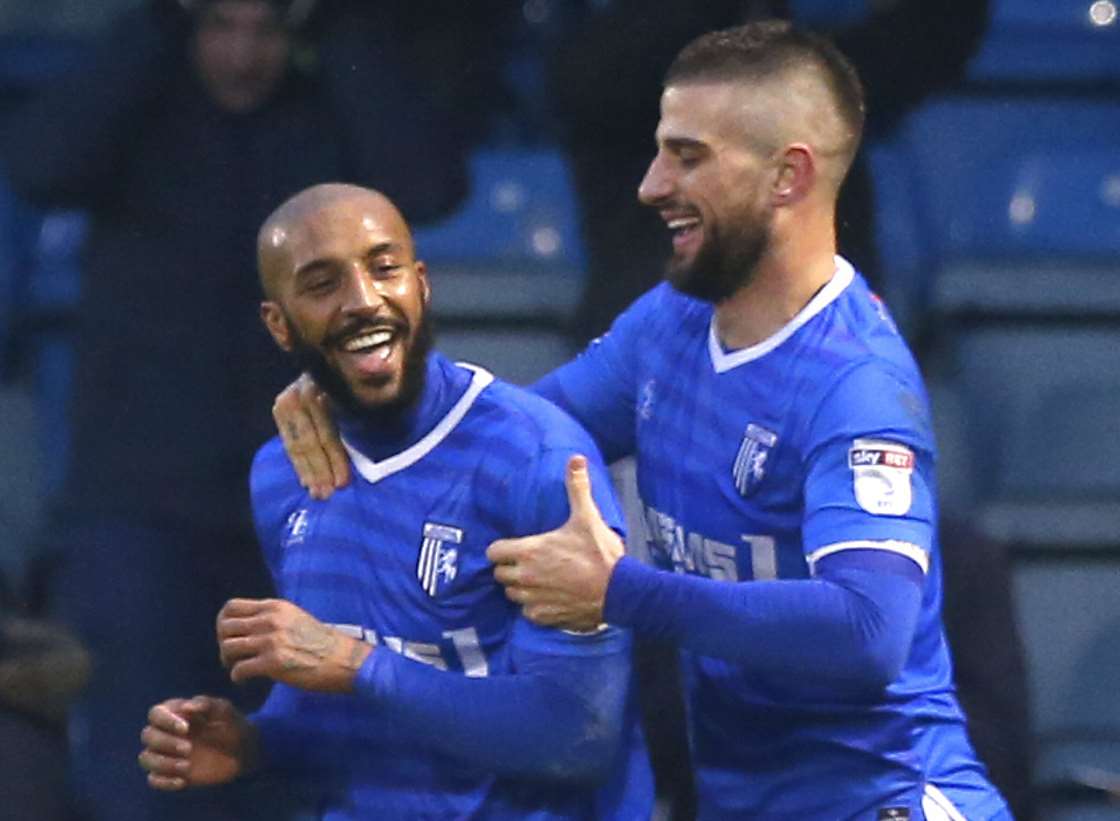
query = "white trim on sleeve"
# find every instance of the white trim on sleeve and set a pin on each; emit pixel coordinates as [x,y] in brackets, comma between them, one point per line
[936,806]
[907,549]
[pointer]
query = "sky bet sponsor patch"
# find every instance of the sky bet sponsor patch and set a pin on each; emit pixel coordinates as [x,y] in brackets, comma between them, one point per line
[881,476]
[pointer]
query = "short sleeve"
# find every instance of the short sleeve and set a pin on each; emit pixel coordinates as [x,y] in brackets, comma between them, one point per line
[275,495]
[599,387]
[870,465]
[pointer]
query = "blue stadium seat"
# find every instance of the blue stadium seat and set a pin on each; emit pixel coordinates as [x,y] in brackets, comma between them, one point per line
[1047,41]
[521,212]
[1013,197]
[507,269]
[1069,617]
[1042,405]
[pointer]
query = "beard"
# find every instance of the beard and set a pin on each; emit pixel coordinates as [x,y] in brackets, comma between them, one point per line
[722,264]
[386,414]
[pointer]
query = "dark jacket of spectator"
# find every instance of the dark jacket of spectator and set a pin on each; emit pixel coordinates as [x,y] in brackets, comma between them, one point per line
[175,374]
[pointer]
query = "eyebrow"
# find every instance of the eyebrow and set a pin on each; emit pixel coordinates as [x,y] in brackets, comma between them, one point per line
[317,264]
[677,143]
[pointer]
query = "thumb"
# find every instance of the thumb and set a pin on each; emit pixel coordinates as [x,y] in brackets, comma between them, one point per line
[577,480]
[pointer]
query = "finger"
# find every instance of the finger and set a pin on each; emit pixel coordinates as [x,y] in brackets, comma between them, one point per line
[234,650]
[168,717]
[543,614]
[329,439]
[231,626]
[241,608]
[285,414]
[164,782]
[507,574]
[165,743]
[255,667]
[505,551]
[301,441]
[518,595]
[154,762]
[577,481]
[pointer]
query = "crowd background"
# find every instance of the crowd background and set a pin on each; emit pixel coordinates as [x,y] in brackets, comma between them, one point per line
[985,208]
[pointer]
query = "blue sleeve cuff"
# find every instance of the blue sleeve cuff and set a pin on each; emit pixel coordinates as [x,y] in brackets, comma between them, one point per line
[631,584]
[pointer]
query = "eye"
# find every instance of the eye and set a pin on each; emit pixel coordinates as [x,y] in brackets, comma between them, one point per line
[384,267]
[319,285]
[689,157]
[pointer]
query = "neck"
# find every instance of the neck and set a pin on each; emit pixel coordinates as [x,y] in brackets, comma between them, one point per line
[443,385]
[792,271]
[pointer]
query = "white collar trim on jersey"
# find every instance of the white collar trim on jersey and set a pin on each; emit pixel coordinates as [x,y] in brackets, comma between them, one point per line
[373,471]
[726,360]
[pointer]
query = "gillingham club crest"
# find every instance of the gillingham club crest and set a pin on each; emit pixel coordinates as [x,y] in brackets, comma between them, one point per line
[750,462]
[438,563]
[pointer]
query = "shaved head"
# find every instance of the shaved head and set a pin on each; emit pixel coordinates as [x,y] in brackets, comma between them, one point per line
[296,219]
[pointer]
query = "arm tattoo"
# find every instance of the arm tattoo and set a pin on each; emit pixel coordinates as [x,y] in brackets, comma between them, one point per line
[310,639]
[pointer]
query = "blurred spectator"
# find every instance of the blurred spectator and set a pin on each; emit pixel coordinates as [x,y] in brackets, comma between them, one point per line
[42,666]
[606,85]
[192,121]
[988,659]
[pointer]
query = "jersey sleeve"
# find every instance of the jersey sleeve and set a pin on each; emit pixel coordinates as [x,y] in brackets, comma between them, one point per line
[869,483]
[275,494]
[599,387]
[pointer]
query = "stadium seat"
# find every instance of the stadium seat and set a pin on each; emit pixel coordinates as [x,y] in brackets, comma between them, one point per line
[1069,616]
[1050,41]
[1016,203]
[1042,404]
[507,268]
[521,211]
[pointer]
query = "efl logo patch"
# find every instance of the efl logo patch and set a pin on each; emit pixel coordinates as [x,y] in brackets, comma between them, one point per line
[894,814]
[881,476]
[438,563]
[750,462]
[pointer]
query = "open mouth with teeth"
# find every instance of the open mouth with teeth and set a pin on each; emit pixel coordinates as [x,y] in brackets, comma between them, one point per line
[685,230]
[371,350]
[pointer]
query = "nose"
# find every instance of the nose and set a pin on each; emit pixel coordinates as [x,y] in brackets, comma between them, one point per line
[656,186]
[362,291]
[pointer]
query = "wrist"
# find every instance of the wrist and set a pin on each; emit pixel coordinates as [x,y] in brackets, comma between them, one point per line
[354,654]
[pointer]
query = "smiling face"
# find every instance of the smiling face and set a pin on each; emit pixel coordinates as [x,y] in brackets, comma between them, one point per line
[709,182]
[347,296]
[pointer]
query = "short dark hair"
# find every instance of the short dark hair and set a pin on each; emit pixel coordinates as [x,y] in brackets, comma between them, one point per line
[766,48]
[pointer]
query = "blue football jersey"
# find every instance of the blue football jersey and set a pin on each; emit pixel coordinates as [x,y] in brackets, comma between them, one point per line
[756,464]
[398,558]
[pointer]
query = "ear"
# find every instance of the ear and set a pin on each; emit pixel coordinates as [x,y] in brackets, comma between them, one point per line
[277,324]
[425,286]
[797,174]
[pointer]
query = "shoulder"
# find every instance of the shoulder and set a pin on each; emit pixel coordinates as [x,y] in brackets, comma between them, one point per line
[863,375]
[519,425]
[272,476]
[664,305]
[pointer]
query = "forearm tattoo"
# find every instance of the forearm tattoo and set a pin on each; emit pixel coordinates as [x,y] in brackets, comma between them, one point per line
[310,639]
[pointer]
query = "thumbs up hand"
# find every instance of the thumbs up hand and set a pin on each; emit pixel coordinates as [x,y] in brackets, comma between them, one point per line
[560,577]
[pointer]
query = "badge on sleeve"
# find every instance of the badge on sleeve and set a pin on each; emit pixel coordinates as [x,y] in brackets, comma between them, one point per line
[881,476]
